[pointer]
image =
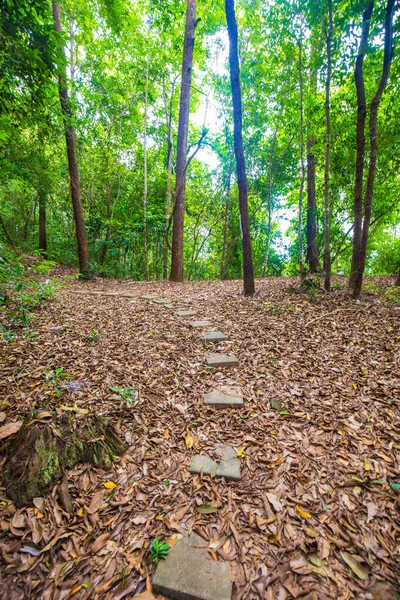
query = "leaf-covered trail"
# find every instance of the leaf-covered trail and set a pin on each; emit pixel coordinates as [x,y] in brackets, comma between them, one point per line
[314,511]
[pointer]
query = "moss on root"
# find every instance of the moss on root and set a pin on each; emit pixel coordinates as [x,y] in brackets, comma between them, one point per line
[41,452]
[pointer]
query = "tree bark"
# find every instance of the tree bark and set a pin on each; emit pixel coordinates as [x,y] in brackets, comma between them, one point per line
[327,207]
[398,278]
[183,127]
[373,153]
[248,271]
[270,170]
[145,241]
[83,251]
[312,250]
[303,171]
[42,199]
[360,143]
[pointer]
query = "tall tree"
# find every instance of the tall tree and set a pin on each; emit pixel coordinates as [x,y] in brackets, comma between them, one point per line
[312,250]
[360,141]
[248,271]
[183,127]
[42,193]
[75,184]
[302,165]
[327,208]
[145,187]
[373,152]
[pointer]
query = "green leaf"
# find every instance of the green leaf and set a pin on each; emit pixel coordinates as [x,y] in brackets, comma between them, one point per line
[206,509]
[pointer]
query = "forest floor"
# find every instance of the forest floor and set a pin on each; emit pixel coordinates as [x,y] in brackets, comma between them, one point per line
[326,461]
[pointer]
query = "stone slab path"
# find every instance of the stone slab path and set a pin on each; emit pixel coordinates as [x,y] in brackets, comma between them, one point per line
[222,360]
[214,336]
[189,573]
[226,397]
[228,466]
[195,324]
[186,313]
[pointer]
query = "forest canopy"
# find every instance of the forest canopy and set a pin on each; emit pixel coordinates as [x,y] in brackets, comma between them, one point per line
[310,76]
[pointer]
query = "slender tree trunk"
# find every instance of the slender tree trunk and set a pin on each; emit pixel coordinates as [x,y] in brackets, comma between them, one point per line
[145,241]
[108,230]
[226,227]
[303,171]
[360,143]
[398,278]
[373,153]
[183,127]
[8,235]
[248,271]
[83,252]
[168,112]
[327,208]
[312,250]
[42,199]
[270,170]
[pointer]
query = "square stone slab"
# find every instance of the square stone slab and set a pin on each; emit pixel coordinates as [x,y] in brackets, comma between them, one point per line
[189,573]
[214,336]
[228,466]
[226,397]
[222,360]
[201,324]
[186,313]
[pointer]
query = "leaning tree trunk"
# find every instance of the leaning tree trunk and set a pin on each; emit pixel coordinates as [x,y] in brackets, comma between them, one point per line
[360,142]
[8,235]
[183,127]
[373,153]
[327,208]
[303,170]
[83,251]
[312,250]
[248,271]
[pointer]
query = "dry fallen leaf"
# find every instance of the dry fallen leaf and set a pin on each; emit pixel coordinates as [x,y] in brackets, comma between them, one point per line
[110,485]
[10,429]
[302,512]
[355,565]
[189,441]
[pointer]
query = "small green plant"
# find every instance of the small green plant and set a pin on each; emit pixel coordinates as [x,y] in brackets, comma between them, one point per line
[158,551]
[7,334]
[93,336]
[393,294]
[127,395]
[44,267]
[54,377]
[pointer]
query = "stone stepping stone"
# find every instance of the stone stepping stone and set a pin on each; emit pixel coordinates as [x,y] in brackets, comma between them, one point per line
[186,313]
[149,297]
[222,360]
[189,572]
[228,466]
[214,336]
[161,301]
[169,306]
[195,324]
[226,397]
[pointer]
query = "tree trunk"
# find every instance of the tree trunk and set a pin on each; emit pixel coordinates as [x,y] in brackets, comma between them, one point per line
[168,112]
[303,171]
[373,153]
[398,278]
[360,143]
[270,169]
[327,208]
[183,127]
[226,227]
[8,235]
[312,250]
[248,271]
[42,199]
[83,252]
[145,241]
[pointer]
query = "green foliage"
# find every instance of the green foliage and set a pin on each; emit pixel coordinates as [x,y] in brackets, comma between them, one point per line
[93,336]
[158,551]
[128,395]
